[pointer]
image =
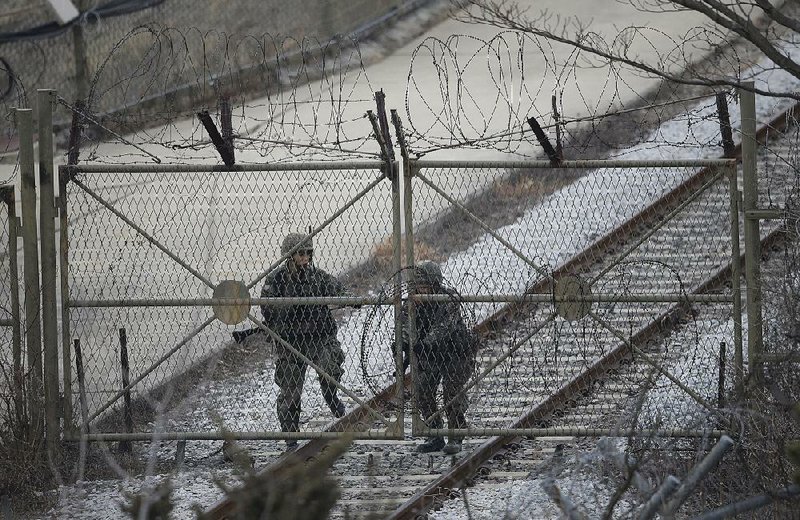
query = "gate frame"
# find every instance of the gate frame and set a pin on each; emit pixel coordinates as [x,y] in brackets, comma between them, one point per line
[45,391]
[394,429]
[726,168]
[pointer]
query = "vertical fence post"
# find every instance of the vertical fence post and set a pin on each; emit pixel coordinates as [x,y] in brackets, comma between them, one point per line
[63,271]
[13,280]
[47,225]
[125,446]
[30,246]
[397,265]
[84,406]
[721,377]
[64,176]
[416,421]
[402,251]
[736,275]
[752,237]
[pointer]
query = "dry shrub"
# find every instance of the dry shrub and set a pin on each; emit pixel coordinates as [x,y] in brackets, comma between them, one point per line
[301,490]
[24,468]
[532,186]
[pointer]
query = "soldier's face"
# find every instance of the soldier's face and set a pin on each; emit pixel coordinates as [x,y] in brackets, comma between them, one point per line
[302,257]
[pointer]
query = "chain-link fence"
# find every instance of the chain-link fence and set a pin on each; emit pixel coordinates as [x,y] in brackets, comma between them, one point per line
[652,269]
[12,361]
[150,60]
[146,244]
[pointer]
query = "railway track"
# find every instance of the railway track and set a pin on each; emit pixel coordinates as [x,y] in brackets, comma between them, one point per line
[566,387]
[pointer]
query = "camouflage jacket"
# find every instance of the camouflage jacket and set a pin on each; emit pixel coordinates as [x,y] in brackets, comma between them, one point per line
[303,322]
[440,327]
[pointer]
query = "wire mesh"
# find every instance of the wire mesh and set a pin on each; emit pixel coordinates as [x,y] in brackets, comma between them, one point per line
[222,226]
[10,359]
[543,352]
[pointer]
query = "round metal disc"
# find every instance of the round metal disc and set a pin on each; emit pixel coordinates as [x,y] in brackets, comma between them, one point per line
[570,293]
[231,314]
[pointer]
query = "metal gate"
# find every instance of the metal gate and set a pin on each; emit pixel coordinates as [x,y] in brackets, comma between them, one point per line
[142,284]
[583,316]
[159,264]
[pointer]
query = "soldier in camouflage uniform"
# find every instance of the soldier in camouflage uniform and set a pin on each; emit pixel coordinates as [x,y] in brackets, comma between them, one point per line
[310,329]
[445,352]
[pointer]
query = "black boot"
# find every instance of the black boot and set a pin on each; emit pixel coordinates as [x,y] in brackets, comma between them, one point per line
[334,403]
[432,444]
[240,335]
[453,447]
[338,409]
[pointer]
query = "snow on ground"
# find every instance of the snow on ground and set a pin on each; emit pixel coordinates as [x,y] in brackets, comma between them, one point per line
[238,403]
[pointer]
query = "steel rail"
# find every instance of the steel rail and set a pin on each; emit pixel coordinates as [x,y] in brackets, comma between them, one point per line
[651,213]
[471,463]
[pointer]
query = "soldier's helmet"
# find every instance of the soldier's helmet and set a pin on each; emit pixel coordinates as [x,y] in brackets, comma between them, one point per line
[293,239]
[428,273]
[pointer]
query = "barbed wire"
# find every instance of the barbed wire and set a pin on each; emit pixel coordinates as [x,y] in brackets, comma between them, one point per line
[294,99]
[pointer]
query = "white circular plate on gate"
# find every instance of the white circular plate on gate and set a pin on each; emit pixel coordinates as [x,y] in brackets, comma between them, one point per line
[231,314]
[570,294]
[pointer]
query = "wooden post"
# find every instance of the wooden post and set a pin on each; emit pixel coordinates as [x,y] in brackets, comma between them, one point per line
[125,446]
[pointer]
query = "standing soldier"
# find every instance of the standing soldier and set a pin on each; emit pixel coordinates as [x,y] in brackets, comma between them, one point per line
[445,352]
[310,329]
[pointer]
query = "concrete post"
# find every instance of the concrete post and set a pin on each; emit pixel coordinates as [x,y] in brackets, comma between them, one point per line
[30,246]
[47,225]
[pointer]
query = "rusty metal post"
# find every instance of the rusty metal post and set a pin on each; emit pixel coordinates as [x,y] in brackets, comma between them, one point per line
[752,237]
[30,246]
[47,226]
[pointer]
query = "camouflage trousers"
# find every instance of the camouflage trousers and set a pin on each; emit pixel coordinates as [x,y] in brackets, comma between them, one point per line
[290,374]
[452,371]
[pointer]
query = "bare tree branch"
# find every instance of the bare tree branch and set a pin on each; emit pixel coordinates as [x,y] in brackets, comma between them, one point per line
[507,15]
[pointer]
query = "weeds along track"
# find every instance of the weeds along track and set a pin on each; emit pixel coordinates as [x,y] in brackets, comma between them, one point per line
[570,378]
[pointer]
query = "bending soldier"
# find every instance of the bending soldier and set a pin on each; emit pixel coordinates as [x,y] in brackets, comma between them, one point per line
[310,329]
[445,353]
